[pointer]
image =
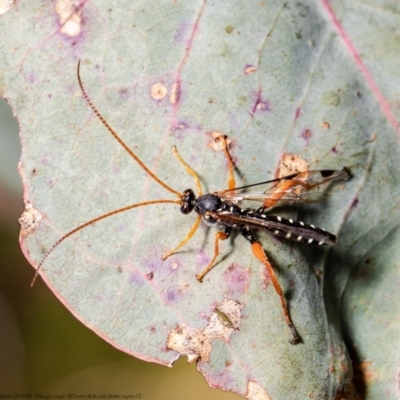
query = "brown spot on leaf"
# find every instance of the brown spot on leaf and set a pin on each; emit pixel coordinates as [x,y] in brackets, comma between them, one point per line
[174,97]
[69,16]
[256,392]
[290,164]
[29,220]
[150,276]
[158,91]
[6,5]
[306,134]
[326,125]
[216,143]
[249,69]
[196,344]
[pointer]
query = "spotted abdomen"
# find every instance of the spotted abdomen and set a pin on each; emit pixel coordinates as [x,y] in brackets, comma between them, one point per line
[287,228]
[298,231]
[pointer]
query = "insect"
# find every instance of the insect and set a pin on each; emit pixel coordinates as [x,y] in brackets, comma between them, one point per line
[221,209]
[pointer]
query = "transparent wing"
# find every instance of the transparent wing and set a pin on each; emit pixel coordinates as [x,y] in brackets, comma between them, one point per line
[295,188]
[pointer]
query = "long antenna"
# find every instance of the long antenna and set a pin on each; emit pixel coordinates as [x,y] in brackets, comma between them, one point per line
[120,141]
[92,221]
[109,214]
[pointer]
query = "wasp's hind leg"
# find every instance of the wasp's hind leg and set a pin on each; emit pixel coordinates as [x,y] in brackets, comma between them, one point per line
[261,256]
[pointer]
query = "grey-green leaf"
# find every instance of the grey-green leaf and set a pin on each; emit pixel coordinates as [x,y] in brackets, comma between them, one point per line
[312,81]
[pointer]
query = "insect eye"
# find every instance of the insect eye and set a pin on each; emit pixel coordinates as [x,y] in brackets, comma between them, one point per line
[187,201]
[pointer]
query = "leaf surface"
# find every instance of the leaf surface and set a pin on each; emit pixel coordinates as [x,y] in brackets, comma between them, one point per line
[277,79]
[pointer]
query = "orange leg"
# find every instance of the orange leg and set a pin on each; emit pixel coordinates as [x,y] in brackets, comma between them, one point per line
[231,181]
[184,241]
[188,169]
[197,222]
[280,190]
[218,236]
[261,256]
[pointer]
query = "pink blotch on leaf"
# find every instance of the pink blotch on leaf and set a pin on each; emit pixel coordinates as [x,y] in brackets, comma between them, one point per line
[224,379]
[266,279]
[297,113]
[150,276]
[32,77]
[236,279]
[175,294]
[181,32]
[306,134]
[124,93]
[260,105]
[355,202]
[135,277]
[180,126]
[171,295]
[203,258]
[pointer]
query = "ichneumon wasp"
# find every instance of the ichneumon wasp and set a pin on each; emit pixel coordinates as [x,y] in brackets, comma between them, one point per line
[222,210]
